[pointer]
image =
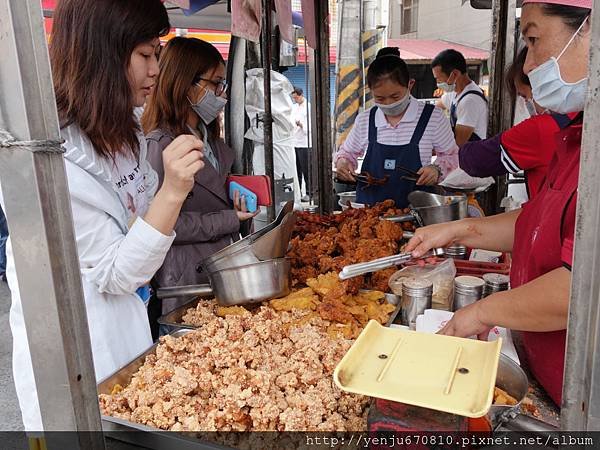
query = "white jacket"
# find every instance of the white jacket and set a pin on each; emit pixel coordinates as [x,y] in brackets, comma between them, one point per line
[114,262]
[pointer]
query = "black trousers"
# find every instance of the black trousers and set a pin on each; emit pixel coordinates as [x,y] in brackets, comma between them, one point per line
[302,162]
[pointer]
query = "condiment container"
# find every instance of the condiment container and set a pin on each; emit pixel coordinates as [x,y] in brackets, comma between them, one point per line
[456,251]
[416,298]
[495,282]
[467,290]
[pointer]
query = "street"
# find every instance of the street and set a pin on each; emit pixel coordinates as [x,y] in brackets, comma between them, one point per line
[10,418]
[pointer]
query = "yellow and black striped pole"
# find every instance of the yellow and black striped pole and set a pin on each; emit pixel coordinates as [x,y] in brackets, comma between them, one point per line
[372,42]
[347,102]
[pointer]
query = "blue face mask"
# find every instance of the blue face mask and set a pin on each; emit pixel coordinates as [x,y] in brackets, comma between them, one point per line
[550,91]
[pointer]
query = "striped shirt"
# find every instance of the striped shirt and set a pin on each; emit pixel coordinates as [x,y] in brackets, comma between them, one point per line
[438,137]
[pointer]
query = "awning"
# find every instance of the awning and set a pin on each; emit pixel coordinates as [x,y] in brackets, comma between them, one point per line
[422,51]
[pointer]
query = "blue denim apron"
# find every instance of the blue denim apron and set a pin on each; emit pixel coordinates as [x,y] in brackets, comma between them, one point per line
[381,160]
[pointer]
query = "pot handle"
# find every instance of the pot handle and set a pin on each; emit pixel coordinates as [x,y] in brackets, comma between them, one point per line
[521,422]
[184,291]
[417,217]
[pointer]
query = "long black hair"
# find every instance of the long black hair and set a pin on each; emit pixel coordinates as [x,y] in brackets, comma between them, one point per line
[515,72]
[388,65]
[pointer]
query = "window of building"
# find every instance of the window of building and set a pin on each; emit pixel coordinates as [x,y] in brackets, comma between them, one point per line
[410,15]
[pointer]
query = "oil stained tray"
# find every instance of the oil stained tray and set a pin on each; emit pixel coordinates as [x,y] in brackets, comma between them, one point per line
[444,373]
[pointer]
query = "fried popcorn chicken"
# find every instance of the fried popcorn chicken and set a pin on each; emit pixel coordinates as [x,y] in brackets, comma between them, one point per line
[223,311]
[272,377]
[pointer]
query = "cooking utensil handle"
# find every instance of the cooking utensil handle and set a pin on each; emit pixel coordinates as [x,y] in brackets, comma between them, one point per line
[355,270]
[397,219]
[528,424]
[184,291]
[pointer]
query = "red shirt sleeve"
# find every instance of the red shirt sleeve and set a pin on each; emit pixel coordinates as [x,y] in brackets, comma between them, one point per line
[529,144]
[568,233]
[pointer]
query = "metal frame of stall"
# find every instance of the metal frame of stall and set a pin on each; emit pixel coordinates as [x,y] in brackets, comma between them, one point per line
[39,215]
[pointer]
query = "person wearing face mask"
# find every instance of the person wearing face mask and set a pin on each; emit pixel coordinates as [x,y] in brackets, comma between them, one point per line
[527,147]
[541,234]
[188,99]
[398,131]
[465,100]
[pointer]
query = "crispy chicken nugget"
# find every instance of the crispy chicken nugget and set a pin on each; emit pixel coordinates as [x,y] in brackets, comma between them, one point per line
[502,397]
[223,311]
[288,304]
[327,284]
[372,296]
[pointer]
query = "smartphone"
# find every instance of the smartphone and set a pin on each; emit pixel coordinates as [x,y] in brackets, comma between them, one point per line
[251,198]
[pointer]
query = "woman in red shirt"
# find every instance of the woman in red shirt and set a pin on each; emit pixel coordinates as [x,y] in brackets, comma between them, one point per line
[541,234]
[527,147]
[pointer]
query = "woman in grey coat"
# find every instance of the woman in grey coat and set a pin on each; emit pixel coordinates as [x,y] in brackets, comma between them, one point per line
[189,95]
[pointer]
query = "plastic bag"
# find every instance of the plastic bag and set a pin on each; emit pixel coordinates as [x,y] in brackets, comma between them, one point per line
[441,275]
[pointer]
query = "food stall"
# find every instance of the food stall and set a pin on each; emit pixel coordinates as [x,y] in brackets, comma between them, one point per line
[49,280]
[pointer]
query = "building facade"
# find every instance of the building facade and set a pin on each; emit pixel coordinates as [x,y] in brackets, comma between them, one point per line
[450,20]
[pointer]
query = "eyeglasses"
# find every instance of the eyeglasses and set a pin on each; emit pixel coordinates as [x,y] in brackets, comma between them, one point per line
[220,85]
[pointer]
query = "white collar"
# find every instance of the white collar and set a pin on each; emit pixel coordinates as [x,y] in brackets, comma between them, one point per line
[409,116]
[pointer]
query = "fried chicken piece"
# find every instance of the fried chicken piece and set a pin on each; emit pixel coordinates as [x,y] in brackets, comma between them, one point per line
[380,280]
[291,302]
[223,311]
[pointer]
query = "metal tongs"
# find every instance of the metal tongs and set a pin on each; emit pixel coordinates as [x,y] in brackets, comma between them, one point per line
[355,270]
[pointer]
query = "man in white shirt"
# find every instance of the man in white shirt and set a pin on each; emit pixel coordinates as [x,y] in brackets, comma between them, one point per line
[465,100]
[301,112]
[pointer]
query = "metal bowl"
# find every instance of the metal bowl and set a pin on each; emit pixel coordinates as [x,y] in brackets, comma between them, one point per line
[512,379]
[433,208]
[252,283]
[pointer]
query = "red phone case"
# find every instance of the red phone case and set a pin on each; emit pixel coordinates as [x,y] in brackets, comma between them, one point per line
[259,184]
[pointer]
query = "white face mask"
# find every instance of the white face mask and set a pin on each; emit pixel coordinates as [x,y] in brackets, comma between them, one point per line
[550,91]
[209,106]
[446,87]
[396,108]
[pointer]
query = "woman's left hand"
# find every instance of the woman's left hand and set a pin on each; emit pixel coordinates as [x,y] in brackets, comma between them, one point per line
[467,322]
[429,176]
[239,204]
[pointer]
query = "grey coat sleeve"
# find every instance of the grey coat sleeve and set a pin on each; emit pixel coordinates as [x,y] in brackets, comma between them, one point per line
[191,226]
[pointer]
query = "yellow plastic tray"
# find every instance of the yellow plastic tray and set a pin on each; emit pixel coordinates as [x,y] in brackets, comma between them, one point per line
[444,373]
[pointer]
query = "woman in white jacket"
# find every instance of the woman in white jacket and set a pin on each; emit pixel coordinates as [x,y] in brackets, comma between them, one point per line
[104,64]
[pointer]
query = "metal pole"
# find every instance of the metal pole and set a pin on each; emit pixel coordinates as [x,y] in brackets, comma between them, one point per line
[38,209]
[309,182]
[581,387]
[266,51]
[500,107]
[322,136]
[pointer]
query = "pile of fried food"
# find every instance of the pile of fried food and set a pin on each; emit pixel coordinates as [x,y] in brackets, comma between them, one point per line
[326,298]
[321,244]
[268,369]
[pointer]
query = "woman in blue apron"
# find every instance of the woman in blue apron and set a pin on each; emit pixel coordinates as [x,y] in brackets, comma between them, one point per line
[399,135]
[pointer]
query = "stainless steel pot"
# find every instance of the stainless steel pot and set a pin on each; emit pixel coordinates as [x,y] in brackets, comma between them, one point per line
[433,208]
[252,283]
[512,379]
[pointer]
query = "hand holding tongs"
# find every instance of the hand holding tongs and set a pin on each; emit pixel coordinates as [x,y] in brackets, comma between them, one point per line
[355,270]
[410,175]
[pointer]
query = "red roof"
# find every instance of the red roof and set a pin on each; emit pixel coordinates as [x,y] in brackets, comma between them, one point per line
[425,50]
